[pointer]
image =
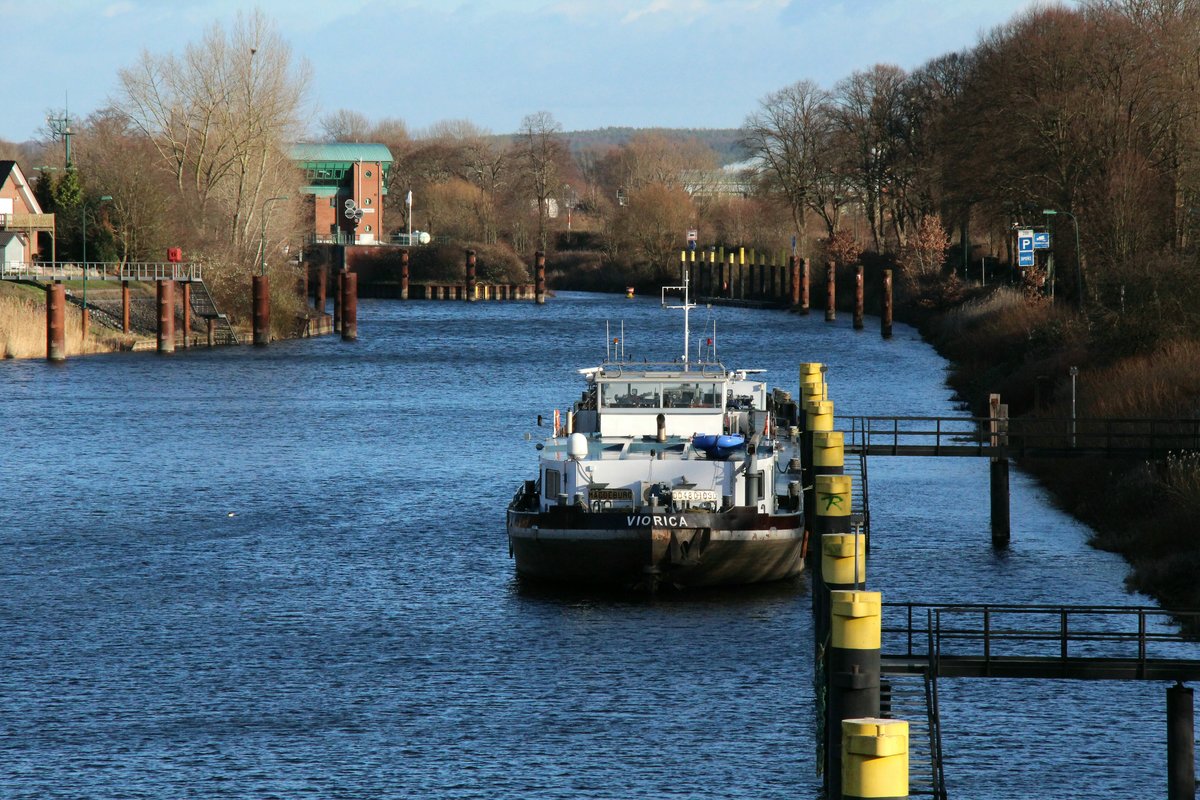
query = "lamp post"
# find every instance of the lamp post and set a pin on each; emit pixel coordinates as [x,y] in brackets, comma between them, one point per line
[103,199]
[1074,375]
[408,206]
[1050,212]
[263,241]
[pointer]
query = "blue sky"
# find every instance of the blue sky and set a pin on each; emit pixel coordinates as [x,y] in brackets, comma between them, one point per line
[590,63]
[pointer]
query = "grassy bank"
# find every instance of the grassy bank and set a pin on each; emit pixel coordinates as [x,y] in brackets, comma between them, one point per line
[999,340]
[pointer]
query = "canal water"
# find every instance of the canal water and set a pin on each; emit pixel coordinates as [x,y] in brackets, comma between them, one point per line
[283,573]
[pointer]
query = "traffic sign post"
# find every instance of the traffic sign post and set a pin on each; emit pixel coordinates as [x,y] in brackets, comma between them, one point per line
[1025,255]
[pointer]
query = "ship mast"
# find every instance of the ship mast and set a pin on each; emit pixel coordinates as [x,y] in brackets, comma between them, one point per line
[687,306]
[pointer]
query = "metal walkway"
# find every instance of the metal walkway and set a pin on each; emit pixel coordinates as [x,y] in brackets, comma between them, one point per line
[1012,641]
[1022,437]
[48,272]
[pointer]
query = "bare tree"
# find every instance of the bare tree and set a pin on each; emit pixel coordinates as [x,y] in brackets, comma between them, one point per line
[219,118]
[790,138]
[541,152]
[345,125]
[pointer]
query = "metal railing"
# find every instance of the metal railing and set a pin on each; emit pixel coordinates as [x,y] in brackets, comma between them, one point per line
[990,634]
[45,271]
[1020,436]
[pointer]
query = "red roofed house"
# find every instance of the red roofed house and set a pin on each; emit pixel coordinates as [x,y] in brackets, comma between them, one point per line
[21,218]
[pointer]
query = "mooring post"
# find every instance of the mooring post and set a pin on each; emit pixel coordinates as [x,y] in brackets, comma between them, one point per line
[404,274]
[212,332]
[794,272]
[187,313]
[998,424]
[830,291]
[261,307]
[56,327]
[1181,743]
[730,278]
[471,287]
[350,308]
[125,306]
[539,261]
[885,313]
[338,289]
[858,297]
[874,759]
[805,286]
[319,293]
[166,316]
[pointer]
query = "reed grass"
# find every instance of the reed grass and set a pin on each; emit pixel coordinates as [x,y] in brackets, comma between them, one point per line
[23,331]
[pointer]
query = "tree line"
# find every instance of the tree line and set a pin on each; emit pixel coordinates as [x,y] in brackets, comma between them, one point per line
[1090,112]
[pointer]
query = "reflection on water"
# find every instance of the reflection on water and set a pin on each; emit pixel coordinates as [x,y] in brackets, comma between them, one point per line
[283,572]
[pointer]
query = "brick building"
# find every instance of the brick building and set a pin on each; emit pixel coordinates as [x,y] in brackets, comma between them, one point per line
[343,175]
[21,217]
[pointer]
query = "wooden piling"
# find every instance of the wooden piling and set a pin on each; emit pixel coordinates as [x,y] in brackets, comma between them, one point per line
[472,289]
[539,261]
[350,308]
[125,307]
[212,332]
[858,297]
[166,316]
[187,313]
[1181,743]
[56,326]
[403,274]
[830,291]
[885,313]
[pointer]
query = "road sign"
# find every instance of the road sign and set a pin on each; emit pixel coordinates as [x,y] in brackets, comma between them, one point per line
[1041,241]
[692,235]
[1025,258]
[1024,241]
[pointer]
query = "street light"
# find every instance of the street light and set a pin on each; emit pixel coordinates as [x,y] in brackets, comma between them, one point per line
[103,199]
[263,242]
[1050,212]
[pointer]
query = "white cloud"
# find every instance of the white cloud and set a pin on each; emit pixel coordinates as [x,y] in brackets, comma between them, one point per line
[117,9]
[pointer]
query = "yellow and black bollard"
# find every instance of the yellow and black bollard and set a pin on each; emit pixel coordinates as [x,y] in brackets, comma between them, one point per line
[853,670]
[874,759]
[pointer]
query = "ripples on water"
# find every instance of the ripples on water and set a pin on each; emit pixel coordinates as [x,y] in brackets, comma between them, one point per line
[283,573]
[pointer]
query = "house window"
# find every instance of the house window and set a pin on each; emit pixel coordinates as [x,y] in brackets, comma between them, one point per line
[366,201]
[368,229]
[367,173]
[333,202]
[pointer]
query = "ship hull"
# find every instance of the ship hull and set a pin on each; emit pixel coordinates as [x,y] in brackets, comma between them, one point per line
[645,550]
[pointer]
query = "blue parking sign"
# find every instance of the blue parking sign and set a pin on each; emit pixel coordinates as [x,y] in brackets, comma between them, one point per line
[1024,244]
[1025,258]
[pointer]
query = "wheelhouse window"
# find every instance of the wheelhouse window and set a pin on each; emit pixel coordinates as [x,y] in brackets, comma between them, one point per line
[628,394]
[697,394]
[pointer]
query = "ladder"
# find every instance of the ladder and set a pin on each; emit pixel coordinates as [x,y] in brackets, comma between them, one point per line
[860,508]
[914,698]
[205,308]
